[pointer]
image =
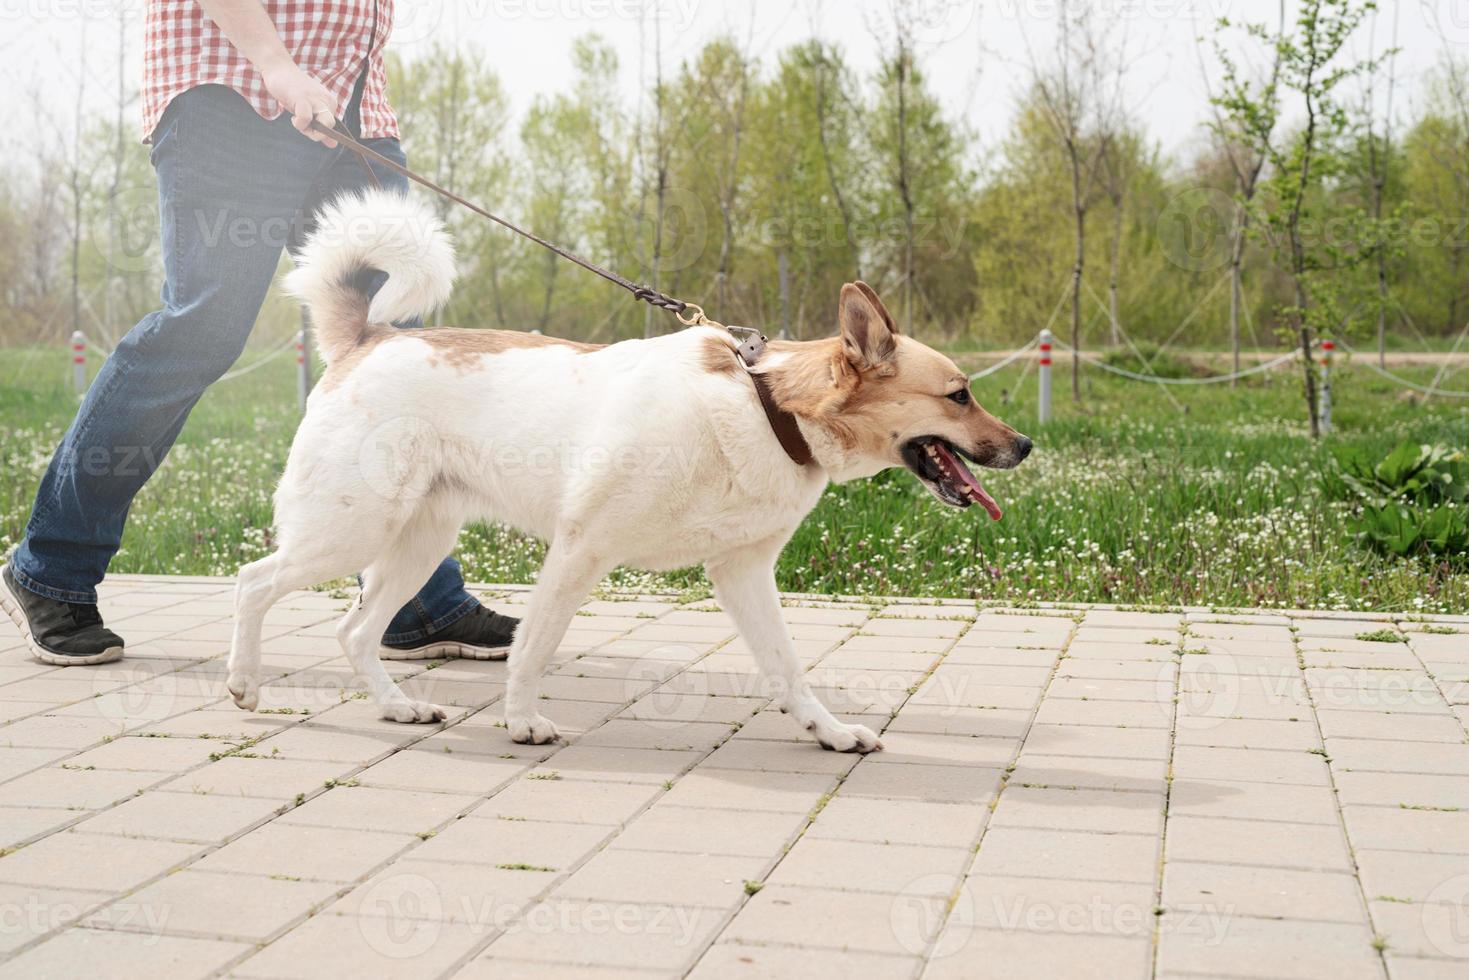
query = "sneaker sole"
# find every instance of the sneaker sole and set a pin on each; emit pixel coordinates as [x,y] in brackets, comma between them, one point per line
[11,605]
[446,650]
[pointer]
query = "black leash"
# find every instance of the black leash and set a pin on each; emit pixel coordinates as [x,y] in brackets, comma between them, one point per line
[639,291]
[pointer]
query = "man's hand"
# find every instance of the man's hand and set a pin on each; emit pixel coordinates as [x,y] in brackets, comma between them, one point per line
[306,99]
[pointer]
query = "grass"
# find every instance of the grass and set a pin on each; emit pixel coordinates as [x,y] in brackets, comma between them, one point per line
[1208,495]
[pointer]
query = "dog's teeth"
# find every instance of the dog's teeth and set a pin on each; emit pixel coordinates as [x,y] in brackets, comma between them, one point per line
[933,452]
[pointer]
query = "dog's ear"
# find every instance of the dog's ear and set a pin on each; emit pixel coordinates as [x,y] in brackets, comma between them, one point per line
[869,336]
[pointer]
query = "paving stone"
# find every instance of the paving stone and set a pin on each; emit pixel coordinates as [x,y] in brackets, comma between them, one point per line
[898,822]
[1102,811]
[272,779]
[1260,801]
[691,830]
[1403,789]
[1250,765]
[1271,949]
[455,772]
[539,845]
[1265,892]
[934,784]
[1066,772]
[914,748]
[186,817]
[1377,755]
[1051,906]
[1026,852]
[123,955]
[1001,955]
[569,800]
[732,961]
[962,722]
[1264,843]
[367,808]
[78,789]
[334,945]
[1400,829]
[749,789]
[249,908]
[91,861]
[1407,876]
[314,853]
[617,764]
[1299,732]
[32,911]
[663,879]
[825,919]
[899,869]
[483,897]
[1087,740]
[622,934]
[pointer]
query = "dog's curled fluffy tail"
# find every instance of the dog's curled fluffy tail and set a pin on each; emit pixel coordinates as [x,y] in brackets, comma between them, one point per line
[357,235]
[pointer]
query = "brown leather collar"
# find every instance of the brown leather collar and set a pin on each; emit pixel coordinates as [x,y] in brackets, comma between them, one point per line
[782,423]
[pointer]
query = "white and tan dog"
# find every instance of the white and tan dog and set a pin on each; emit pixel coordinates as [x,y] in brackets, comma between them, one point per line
[649,453]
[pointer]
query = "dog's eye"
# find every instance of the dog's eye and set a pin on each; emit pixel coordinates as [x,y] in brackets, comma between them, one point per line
[960,397]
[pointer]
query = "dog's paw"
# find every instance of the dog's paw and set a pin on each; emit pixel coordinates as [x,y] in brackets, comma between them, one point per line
[847,738]
[414,712]
[244,689]
[534,730]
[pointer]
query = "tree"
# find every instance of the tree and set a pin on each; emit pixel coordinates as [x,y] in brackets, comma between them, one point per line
[1313,67]
[1081,94]
[1245,115]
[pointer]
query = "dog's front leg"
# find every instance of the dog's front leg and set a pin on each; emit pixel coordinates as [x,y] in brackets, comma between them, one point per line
[744,584]
[570,572]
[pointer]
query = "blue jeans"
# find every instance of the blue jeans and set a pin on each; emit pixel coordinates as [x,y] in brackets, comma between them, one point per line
[233,190]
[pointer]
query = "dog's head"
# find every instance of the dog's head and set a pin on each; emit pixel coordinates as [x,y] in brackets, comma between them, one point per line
[892,401]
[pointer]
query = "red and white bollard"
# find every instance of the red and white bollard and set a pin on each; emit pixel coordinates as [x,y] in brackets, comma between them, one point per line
[1323,410]
[78,362]
[1043,373]
[303,370]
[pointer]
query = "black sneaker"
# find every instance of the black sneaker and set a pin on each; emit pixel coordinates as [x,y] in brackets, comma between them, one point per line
[481,635]
[59,633]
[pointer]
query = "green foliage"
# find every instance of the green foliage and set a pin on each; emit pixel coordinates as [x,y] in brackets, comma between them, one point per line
[1415,501]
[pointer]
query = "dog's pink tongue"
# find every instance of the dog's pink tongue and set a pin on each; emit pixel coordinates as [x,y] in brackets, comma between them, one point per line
[956,466]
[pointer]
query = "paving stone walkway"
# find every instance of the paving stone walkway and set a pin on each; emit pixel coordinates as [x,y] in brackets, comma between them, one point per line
[1063,793]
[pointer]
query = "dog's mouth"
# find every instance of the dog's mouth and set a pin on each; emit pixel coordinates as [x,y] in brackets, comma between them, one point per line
[938,463]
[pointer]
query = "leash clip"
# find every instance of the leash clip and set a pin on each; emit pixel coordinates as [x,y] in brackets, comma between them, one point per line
[752,347]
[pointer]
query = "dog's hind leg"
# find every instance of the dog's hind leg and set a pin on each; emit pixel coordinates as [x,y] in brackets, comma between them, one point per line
[570,572]
[389,582]
[744,584]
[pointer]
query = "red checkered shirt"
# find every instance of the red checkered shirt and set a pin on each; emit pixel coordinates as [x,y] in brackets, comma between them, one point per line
[329,39]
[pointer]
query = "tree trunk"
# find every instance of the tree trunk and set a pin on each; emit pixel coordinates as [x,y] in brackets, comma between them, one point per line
[1236,292]
[1113,307]
[1076,273]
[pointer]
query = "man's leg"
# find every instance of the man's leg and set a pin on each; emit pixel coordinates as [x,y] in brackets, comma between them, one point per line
[443,619]
[230,187]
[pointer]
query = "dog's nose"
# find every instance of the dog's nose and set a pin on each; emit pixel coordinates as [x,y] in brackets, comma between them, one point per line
[1023,446]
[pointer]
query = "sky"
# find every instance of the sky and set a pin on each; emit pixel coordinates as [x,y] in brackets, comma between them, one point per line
[977,55]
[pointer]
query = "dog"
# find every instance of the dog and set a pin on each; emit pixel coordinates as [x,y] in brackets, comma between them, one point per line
[651,453]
